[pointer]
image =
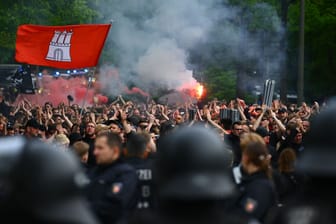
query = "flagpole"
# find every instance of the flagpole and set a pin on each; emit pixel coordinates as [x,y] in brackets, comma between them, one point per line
[87,90]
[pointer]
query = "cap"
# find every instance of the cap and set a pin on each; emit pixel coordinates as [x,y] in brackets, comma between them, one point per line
[282,110]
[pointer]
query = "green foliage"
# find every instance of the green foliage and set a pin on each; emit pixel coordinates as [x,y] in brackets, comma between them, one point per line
[220,83]
[320,45]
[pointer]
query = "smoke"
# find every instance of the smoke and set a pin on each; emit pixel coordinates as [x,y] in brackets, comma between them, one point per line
[151,40]
[57,90]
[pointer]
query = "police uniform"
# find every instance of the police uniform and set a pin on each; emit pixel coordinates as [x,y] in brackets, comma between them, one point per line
[145,181]
[112,191]
[257,195]
[191,175]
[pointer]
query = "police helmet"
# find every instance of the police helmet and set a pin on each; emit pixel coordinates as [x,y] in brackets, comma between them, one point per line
[40,182]
[193,164]
[319,155]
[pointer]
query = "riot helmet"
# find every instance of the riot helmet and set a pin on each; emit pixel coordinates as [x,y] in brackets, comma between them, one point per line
[193,164]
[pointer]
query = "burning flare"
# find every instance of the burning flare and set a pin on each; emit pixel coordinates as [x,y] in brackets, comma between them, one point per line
[199,90]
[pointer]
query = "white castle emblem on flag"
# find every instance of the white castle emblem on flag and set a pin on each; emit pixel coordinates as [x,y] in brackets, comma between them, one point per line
[59,47]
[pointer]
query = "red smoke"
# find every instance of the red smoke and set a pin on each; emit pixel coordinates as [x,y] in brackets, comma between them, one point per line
[56,91]
[136,90]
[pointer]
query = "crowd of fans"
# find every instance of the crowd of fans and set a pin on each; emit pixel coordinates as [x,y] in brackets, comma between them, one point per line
[264,142]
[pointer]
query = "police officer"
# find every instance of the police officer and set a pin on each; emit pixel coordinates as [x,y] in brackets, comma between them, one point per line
[256,187]
[136,155]
[40,184]
[317,203]
[192,179]
[112,191]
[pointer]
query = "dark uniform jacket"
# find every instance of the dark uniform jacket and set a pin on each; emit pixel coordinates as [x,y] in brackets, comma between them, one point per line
[185,215]
[112,191]
[144,172]
[288,184]
[257,195]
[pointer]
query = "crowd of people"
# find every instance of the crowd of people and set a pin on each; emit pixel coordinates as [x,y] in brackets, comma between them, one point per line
[139,158]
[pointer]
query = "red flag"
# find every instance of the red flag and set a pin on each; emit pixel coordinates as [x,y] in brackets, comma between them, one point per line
[74,46]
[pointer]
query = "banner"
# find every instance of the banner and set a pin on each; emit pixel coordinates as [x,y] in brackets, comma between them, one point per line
[66,47]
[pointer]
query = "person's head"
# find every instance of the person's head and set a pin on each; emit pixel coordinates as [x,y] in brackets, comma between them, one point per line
[58,119]
[81,149]
[246,127]
[75,128]
[45,185]
[282,113]
[136,146]
[264,134]
[257,111]
[264,122]
[107,148]
[2,126]
[236,129]
[294,133]
[10,131]
[32,128]
[114,127]
[90,129]
[56,111]
[166,128]
[298,137]
[17,128]
[190,160]
[150,142]
[48,106]
[255,156]
[86,118]
[287,160]
[179,119]
[143,124]
[306,124]
[101,128]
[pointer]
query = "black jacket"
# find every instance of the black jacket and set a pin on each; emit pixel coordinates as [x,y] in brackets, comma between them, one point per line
[234,142]
[92,159]
[112,191]
[144,171]
[257,195]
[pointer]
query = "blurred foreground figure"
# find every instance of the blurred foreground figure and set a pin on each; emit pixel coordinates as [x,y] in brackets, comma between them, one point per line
[257,192]
[112,192]
[39,184]
[317,203]
[192,179]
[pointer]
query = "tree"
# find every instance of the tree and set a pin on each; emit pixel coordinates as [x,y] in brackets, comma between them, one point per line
[16,12]
[220,84]
[320,32]
[243,45]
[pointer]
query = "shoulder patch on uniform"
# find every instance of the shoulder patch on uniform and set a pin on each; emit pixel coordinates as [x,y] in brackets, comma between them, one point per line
[250,205]
[116,188]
